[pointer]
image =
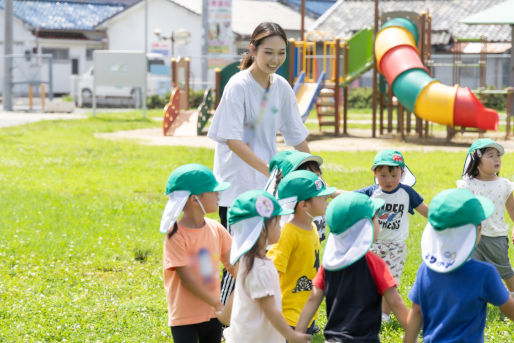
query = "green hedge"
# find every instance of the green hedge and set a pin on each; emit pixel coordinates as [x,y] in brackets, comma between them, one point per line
[155,101]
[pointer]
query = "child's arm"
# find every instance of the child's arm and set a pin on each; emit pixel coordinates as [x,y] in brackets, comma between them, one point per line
[508,308]
[185,275]
[414,322]
[267,305]
[395,302]
[422,209]
[225,314]
[509,205]
[310,308]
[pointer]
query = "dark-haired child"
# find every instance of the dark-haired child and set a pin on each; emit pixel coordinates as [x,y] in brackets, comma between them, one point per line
[394,183]
[480,176]
[193,249]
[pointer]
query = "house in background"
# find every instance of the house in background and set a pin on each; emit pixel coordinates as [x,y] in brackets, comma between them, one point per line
[346,17]
[70,30]
[65,29]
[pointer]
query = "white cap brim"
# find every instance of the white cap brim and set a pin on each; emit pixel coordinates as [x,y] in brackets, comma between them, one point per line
[272,181]
[466,164]
[407,178]
[174,206]
[287,204]
[348,247]
[244,235]
[446,250]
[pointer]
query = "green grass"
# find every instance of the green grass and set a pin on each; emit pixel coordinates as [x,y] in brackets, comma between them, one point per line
[80,251]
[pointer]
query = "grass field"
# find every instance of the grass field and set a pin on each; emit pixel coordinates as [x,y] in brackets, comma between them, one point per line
[80,250]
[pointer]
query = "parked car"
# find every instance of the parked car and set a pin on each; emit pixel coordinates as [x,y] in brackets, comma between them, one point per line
[158,82]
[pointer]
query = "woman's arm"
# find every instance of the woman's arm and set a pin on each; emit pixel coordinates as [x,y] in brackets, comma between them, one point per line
[244,152]
[414,322]
[303,146]
[271,312]
[309,309]
[184,273]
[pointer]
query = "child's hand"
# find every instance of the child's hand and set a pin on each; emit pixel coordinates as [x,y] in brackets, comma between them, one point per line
[299,337]
[512,236]
[222,314]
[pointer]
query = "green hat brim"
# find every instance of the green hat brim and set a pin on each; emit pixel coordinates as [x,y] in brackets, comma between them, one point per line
[221,186]
[487,144]
[391,164]
[377,204]
[313,158]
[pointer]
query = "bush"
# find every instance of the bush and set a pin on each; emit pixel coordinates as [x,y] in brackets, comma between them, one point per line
[494,101]
[155,101]
[360,97]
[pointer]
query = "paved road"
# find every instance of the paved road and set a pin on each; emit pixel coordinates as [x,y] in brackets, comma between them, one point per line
[20,118]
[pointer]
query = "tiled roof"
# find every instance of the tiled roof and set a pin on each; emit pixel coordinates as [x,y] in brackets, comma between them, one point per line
[315,7]
[66,15]
[349,16]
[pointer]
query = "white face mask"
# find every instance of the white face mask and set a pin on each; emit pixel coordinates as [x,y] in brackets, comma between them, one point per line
[201,205]
[310,215]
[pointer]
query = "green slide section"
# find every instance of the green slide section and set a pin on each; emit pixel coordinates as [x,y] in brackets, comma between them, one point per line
[409,84]
[360,55]
[406,24]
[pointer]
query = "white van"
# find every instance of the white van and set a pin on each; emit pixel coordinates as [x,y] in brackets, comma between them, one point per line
[158,82]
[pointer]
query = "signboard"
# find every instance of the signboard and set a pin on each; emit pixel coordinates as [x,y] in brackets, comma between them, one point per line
[119,68]
[219,36]
[162,48]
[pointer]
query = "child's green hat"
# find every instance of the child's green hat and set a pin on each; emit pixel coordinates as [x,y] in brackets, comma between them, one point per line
[450,234]
[478,144]
[195,178]
[303,185]
[186,180]
[349,217]
[394,158]
[285,162]
[246,219]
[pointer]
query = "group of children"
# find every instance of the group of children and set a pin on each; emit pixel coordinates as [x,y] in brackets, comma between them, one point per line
[282,277]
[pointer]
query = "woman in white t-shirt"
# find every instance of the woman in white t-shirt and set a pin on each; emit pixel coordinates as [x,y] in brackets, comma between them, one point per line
[256,103]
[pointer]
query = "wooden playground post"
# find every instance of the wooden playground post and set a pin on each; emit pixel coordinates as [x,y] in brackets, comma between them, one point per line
[217,73]
[292,58]
[174,76]
[337,61]
[43,96]
[389,109]
[422,20]
[345,89]
[30,97]
[375,71]
[426,50]
[509,104]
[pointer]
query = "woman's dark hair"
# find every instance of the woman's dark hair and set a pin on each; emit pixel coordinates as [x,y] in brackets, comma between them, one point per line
[472,169]
[261,32]
[249,257]
[172,232]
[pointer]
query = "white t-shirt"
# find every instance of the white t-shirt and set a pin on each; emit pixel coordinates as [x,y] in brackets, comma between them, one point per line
[498,192]
[239,116]
[393,216]
[248,323]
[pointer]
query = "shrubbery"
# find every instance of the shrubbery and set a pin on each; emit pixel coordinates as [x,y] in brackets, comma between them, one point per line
[155,101]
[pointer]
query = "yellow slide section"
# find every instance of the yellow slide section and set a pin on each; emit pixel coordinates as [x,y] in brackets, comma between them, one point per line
[305,95]
[435,103]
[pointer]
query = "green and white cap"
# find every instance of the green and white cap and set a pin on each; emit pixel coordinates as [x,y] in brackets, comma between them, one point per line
[394,158]
[286,162]
[349,218]
[478,144]
[450,235]
[186,180]
[246,219]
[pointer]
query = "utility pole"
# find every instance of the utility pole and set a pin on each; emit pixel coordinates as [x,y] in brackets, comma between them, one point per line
[205,44]
[8,51]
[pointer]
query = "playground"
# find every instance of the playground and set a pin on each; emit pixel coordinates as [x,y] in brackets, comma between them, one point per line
[80,200]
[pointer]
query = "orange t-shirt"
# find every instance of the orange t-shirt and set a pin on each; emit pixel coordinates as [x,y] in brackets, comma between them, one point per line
[201,249]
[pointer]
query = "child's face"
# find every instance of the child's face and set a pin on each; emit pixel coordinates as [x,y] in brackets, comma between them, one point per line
[388,180]
[317,206]
[273,226]
[376,227]
[270,54]
[209,201]
[490,162]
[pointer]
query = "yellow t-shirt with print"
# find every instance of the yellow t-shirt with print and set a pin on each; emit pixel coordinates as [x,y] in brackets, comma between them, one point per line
[297,259]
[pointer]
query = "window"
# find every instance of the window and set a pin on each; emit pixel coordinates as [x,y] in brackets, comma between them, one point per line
[58,54]
[89,54]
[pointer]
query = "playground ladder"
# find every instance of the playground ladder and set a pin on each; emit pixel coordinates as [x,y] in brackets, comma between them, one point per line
[326,106]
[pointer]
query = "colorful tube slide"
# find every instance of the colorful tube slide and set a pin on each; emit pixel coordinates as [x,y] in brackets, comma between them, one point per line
[398,60]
